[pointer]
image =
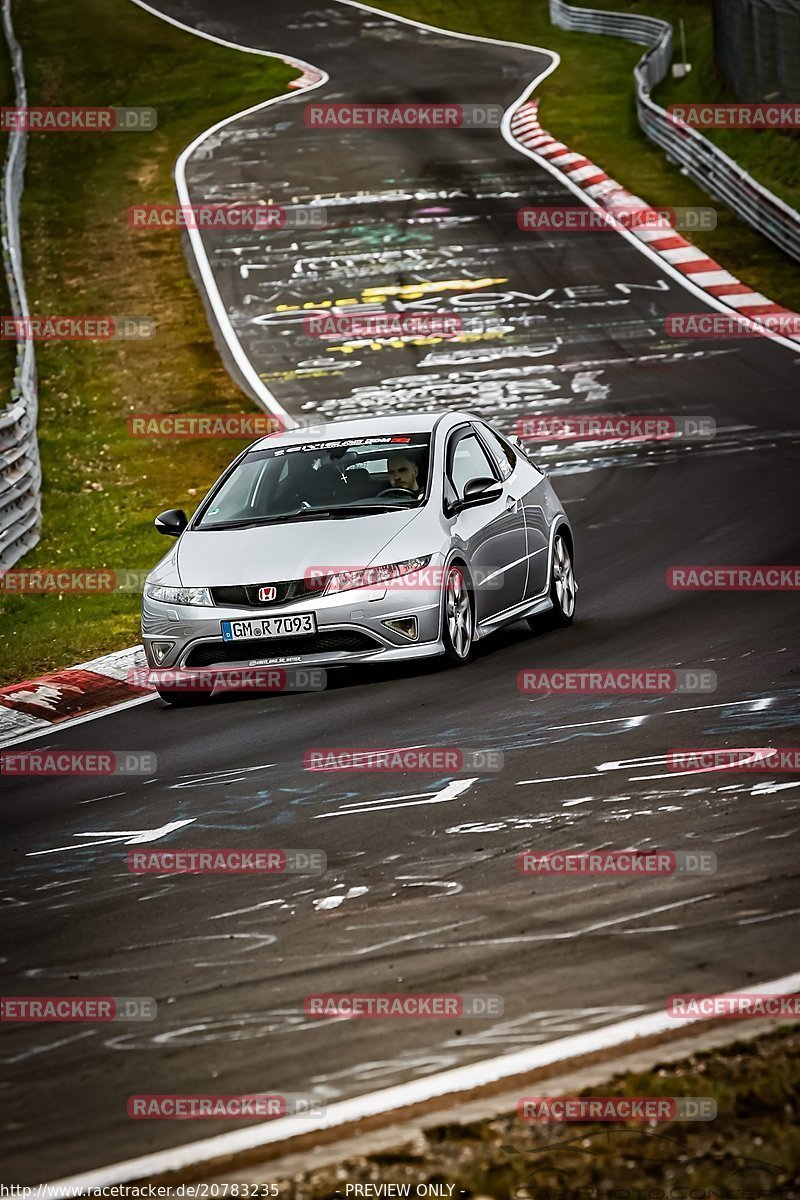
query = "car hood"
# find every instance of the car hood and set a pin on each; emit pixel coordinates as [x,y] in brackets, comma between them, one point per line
[267,553]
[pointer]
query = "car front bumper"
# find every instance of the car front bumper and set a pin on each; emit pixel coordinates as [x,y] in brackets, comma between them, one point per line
[351,628]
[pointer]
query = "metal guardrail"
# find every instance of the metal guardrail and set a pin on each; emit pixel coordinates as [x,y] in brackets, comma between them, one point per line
[700,159]
[20,472]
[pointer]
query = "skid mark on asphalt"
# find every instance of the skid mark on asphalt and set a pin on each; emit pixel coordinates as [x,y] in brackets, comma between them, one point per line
[95,799]
[541,1025]
[789,912]
[595,927]
[238,912]
[615,454]
[737,833]
[207,1030]
[777,837]
[147,961]
[449,886]
[48,1047]
[325,903]
[531,1029]
[755,713]
[758,705]
[412,937]
[380,1072]
[224,777]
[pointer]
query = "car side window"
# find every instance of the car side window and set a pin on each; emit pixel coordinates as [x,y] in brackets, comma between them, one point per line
[504,457]
[467,460]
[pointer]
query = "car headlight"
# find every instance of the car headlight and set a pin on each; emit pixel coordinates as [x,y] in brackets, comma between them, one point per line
[179,595]
[345,581]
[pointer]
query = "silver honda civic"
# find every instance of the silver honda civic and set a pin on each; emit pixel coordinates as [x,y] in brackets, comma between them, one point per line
[368,541]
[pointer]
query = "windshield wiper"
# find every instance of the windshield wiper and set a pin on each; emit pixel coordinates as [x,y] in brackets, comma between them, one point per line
[247,524]
[303,514]
[350,510]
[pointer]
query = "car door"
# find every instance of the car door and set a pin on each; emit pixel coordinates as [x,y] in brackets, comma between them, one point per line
[528,485]
[492,536]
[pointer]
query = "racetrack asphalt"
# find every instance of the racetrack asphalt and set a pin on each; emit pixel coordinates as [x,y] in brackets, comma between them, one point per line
[422,892]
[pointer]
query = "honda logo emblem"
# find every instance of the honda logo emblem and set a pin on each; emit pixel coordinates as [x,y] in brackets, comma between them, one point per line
[267,593]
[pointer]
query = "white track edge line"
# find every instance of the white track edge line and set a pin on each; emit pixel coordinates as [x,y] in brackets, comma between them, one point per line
[444,1084]
[643,247]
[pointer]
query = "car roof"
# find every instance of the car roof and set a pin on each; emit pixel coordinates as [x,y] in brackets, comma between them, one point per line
[422,422]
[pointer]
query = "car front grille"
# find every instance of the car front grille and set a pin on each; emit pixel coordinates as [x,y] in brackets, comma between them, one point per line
[246,595]
[344,640]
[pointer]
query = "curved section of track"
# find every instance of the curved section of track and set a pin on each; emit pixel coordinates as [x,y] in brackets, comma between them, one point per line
[422,891]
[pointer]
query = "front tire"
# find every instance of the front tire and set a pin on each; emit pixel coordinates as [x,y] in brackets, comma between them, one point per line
[563,587]
[457,620]
[183,699]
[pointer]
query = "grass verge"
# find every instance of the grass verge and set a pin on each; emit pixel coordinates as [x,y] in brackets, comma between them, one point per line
[102,487]
[588,103]
[751,1151]
[8,354]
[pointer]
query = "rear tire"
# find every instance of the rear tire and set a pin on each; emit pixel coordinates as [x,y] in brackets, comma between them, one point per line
[458,629]
[563,588]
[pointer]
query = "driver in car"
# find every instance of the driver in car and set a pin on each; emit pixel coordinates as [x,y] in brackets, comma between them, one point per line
[403,473]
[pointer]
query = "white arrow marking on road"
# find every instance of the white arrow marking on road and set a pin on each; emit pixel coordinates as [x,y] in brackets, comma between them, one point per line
[130,837]
[757,754]
[389,803]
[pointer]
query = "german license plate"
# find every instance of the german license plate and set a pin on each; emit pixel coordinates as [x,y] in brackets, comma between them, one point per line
[269,627]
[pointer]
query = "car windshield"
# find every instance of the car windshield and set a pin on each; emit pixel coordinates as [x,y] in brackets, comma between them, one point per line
[321,481]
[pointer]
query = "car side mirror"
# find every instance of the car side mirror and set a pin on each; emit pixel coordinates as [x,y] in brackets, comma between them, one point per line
[483,490]
[172,522]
